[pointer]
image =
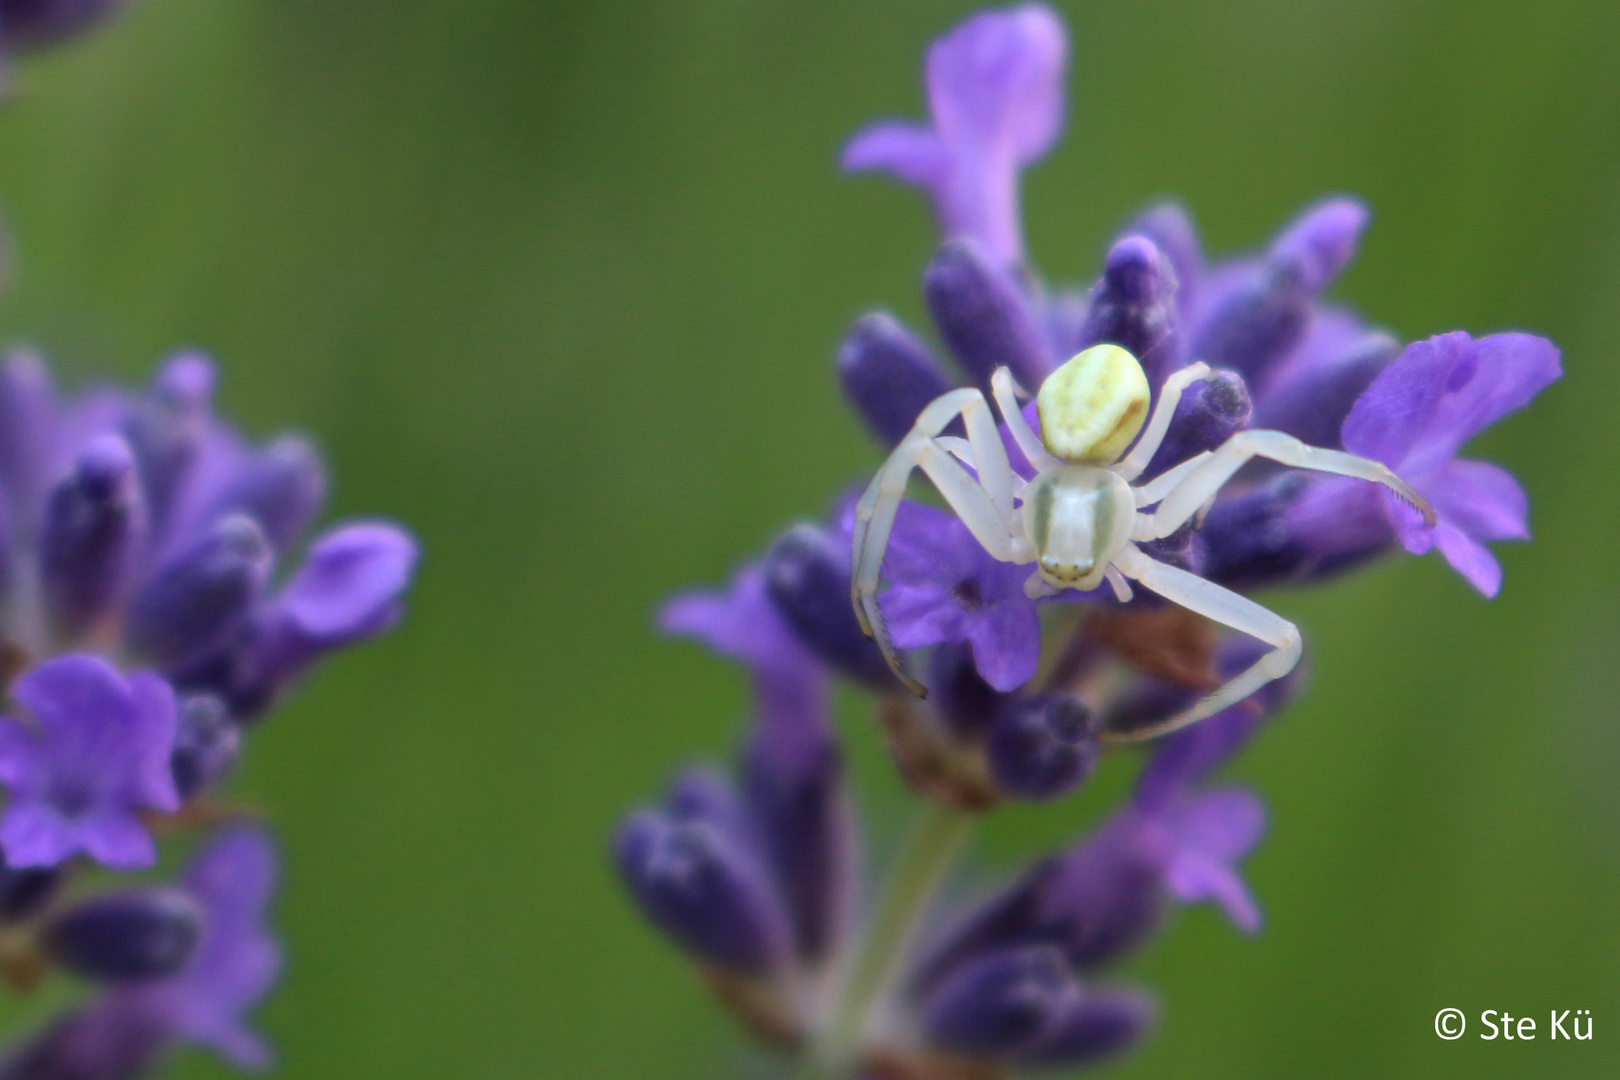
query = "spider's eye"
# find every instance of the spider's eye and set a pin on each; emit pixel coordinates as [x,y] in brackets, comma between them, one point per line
[1093,406]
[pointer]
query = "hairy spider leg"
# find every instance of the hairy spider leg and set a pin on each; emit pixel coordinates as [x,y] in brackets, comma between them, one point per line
[1201,484]
[984,505]
[1132,464]
[1223,606]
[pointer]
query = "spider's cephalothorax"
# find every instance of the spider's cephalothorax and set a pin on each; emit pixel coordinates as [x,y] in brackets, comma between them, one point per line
[1079,517]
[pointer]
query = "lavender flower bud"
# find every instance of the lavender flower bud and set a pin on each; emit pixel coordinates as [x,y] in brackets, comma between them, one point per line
[1103,1025]
[796,806]
[984,317]
[1134,305]
[1003,1004]
[1042,747]
[207,743]
[90,528]
[807,575]
[702,889]
[1266,318]
[1311,401]
[167,428]
[282,489]
[1320,243]
[1173,233]
[1247,539]
[888,375]
[24,891]
[959,693]
[140,934]
[194,603]
[1209,412]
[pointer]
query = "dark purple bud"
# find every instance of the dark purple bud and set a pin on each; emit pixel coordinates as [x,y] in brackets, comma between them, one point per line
[705,794]
[168,426]
[703,890]
[91,525]
[202,595]
[27,24]
[207,743]
[1042,747]
[282,488]
[1310,401]
[140,934]
[1257,327]
[25,891]
[888,375]
[1134,305]
[797,808]
[959,694]
[1002,1005]
[807,573]
[984,316]
[1101,1026]
[27,430]
[1292,528]
[1210,412]
[1172,232]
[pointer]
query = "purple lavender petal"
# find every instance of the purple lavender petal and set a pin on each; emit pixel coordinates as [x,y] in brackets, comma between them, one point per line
[1422,409]
[102,753]
[233,878]
[1212,831]
[350,581]
[743,623]
[995,90]
[945,587]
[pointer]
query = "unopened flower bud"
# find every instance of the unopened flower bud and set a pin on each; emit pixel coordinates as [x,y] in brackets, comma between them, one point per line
[140,934]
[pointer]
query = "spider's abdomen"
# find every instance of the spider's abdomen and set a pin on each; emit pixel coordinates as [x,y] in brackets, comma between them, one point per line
[1092,407]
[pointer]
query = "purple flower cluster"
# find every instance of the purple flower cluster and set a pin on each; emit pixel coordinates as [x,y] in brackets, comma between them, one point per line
[155,601]
[759,881]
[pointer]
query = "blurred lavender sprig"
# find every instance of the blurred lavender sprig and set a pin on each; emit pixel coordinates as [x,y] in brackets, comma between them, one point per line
[758,882]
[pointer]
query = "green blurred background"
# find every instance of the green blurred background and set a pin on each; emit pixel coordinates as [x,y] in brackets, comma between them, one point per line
[559,285]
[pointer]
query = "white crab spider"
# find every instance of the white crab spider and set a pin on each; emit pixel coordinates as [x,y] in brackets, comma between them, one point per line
[1078,518]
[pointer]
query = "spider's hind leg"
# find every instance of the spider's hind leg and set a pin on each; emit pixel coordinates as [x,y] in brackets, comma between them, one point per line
[1228,608]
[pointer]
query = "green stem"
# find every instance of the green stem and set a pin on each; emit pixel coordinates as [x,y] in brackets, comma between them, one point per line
[924,861]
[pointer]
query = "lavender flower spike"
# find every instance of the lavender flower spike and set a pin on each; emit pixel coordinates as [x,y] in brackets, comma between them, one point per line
[995,91]
[101,753]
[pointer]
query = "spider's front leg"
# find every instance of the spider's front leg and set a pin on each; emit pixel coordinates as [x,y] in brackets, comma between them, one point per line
[1201,484]
[1223,606]
[985,505]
